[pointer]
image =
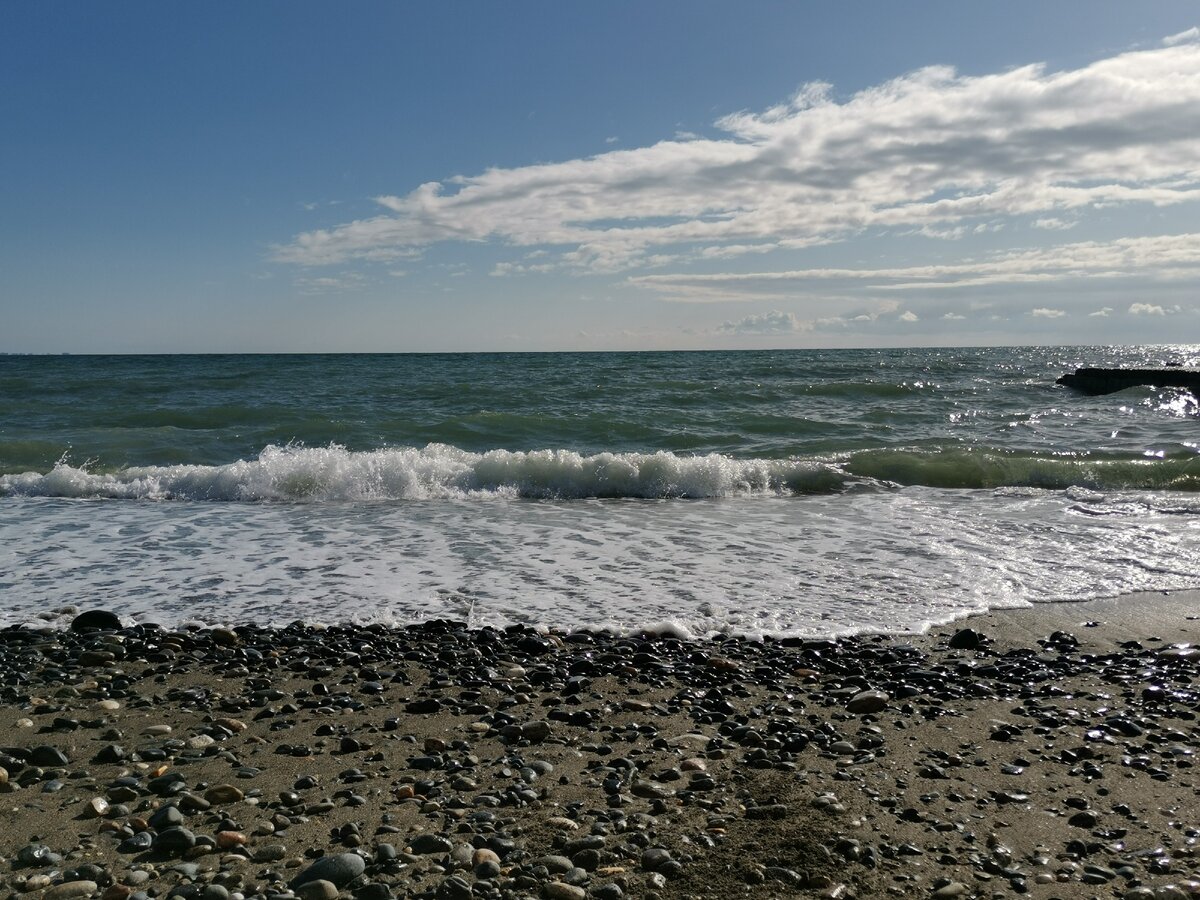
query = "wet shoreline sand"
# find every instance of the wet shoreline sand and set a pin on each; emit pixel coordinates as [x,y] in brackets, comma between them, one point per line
[1045,752]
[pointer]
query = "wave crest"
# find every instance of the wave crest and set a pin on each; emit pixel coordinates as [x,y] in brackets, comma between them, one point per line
[438,471]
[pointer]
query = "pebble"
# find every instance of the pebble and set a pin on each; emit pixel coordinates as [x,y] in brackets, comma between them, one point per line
[484,855]
[953,889]
[96,620]
[224,793]
[655,858]
[48,757]
[867,702]
[165,817]
[497,815]
[557,890]
[424,844]
[270,852]
[175,839]
[317,889]
[340,869]
[69,890]
[225,637]
[966,639]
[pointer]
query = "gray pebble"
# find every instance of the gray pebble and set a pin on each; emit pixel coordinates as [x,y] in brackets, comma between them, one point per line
[655,858]
[70,890]
[868,702]
[340,868]
[318,889]
[424,844]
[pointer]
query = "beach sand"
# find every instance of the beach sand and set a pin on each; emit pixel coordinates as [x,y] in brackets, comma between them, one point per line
[439,762]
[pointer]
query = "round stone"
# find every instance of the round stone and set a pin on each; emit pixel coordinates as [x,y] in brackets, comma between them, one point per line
[339,869]
[319,889]
[953,889]
[175,839]
[424,844]
[966,639]
[48,757]
[868,702]
[224,793]
[70,890]
[166,817]
[96,620]
[655,858]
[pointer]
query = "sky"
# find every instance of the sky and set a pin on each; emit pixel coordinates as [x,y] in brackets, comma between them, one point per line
[451,176]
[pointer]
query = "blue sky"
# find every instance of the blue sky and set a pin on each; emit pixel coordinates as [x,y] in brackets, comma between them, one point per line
[527,176]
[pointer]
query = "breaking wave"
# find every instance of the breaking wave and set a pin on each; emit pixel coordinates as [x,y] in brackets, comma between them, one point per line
[438,471]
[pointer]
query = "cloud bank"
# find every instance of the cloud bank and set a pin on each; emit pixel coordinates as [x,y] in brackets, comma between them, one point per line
[932,151]
[1163,257]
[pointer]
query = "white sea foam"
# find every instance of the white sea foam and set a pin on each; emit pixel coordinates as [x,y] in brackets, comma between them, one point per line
[821,564]
[437,471]
[441,472]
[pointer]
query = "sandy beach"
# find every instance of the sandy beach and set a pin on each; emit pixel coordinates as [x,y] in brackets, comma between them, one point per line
[1045,751]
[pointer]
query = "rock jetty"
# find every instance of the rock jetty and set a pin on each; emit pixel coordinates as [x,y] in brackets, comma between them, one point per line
[1094,381]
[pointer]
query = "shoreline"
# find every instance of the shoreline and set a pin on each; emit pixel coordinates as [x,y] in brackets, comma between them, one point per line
[1172,606]
[1021,751]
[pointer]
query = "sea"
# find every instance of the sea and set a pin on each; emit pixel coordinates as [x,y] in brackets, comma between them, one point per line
[805,493]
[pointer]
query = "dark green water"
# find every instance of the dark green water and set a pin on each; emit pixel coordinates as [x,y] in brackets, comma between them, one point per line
[954,418]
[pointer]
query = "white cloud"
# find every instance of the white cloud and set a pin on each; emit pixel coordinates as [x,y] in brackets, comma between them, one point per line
[1043,312]
[953,317]
[1146,309]
[1102,313]
[929,150]
[909,316]
[1053,223]
[943,234]
[1169,257]
[1183,37]
[331,284]
[502,269]
[773,322]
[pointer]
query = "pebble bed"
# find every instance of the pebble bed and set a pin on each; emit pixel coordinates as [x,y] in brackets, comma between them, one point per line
[436,761]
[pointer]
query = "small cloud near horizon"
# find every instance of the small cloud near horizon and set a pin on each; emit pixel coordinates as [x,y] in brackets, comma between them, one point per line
[773,322]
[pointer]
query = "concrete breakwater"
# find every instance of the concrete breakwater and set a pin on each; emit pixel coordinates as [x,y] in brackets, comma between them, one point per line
[1090,380]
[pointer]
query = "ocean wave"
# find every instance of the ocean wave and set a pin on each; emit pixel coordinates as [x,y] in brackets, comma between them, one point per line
[986,468]
[438,471]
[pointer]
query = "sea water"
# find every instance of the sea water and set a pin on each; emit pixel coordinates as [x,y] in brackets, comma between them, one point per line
[773,492]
